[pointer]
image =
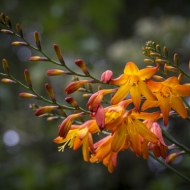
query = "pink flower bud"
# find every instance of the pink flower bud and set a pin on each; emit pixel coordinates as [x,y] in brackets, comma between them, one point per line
[27,95]
[45,109]
[54,72]
[5,80]
[38,58]
[107,76]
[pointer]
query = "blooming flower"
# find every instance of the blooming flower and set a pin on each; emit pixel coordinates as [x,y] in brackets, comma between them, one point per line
[132,81]
[168,95]
[104,153]
[80,135]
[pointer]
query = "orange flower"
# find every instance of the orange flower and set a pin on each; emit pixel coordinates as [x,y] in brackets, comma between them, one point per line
[168,94]
[104,153]
[80,135]
[66,124]
[94,105]
[132,130]
[159,149]
[74,86]
[132,81]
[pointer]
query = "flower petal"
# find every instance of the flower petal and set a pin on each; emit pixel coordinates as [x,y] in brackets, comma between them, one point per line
[181,90]
[120,94]
[149,104]
[136,96]
[178,106]
[147,73]
[120,80]
[131,69]
[145,91]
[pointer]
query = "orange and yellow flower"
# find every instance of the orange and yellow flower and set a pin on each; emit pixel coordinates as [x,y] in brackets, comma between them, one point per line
[168,95]
[80,135]
[133,81]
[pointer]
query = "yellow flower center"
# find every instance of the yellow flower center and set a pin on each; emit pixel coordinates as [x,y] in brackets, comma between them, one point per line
[165,92]
[133,80]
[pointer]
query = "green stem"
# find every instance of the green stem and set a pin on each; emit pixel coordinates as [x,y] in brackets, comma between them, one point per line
[169,167]
[171,139]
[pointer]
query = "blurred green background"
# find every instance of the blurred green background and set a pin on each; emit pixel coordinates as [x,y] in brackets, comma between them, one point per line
[105,34]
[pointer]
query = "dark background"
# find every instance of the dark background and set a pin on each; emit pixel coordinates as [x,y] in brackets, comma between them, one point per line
[105,34]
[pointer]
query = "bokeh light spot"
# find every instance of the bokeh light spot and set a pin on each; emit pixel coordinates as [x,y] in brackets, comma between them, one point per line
[11,138]
[23,54]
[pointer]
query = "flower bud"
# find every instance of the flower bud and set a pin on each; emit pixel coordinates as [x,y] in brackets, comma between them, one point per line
[173,156]
[106,76]
[158,78]
[80,63]
[74,86]
[71,101]
[5,66]
[27,78]
[158,48]
[180,77]
[154,54]
[148,61]
[50,92]
[45,109]
[66,124]
[52,118]
[6,31]
[37,40]
[55,72]
[19,30]
[27,95]
[170,68]
[19,44]
[165,51]
[59,54]
[38,58]
[5,80]
[176,59]
[8,21]
[161,61]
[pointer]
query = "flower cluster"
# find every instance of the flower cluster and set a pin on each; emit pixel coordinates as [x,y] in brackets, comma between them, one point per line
[120,111]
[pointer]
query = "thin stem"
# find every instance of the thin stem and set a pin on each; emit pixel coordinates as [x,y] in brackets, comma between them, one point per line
[169,167]
[171,139]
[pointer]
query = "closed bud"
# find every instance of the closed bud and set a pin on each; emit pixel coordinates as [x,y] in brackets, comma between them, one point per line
[37,40]
[52,118]
[180,77]
[38,58]
[165,51]
[158,48]
[154,54]
[148,61]
[86,95]
[27,78]
[5,66]
[71,101]
[170,68]
[176,59]
[50,92]
[187,84]
[45,109]
[74,86]
[161,61]
[59,54]
[27,95]
[19,30]
[19,44]
[6,31]
[66,124]
[55,72]
[8,21]
[106,76]
[5,80]
[173,156]
[80,63]
[158,78]
[2,16]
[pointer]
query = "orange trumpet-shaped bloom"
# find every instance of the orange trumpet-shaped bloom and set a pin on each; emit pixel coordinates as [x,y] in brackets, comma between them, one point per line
[168,95]
[132,130]
[133,81]
[104,153]
[80,135]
